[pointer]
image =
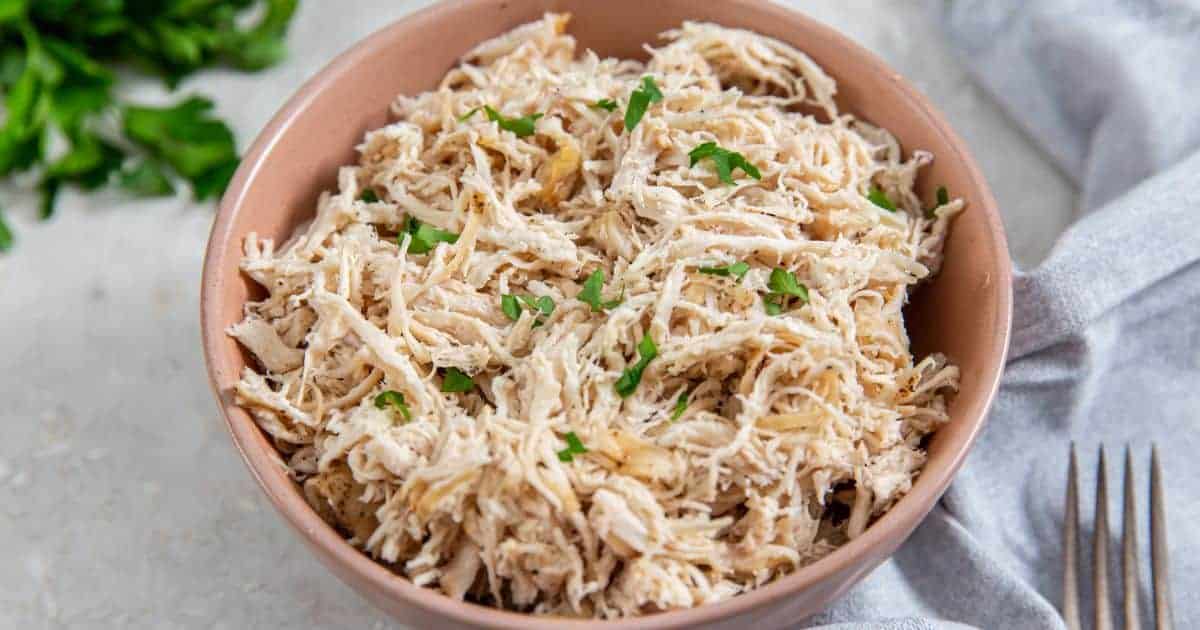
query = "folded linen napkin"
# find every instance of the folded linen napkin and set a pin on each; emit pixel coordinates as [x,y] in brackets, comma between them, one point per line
[1106,338]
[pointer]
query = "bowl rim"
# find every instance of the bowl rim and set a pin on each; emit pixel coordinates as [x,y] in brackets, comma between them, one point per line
[333,550]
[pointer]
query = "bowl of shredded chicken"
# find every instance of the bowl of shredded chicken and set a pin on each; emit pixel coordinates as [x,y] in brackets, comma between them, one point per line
[596,337]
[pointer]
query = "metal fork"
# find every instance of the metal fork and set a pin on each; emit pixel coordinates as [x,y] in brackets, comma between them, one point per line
[1163,619]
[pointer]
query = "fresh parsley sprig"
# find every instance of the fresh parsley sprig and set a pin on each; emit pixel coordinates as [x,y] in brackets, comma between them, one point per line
[725,161]
[574,447]
[56,61]
[632,376]
[591,293]
[640,100]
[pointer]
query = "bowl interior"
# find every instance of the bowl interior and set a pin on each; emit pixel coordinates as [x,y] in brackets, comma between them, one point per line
[964,312]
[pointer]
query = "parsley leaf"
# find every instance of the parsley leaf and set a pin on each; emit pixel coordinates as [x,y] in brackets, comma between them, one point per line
[943,198]
[57,75]
[783,284]
[510,306]
[185,136]
[737,270]
[455,380]
[607,104]
[632,376]
[368,196]
[880,198]
[591,296]
[639,100]
[393,398]
[467,116]
[523,126]
[146,179]
[681,405]
[574,447]
[725,161]
[540,307]
[425,237]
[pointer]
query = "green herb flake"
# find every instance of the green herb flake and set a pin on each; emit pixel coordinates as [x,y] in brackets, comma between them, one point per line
[607,104]
[523,126]
[943,198]
[455,381]
[510,306]
[784,282]
[368,196]
[632,376]
[880,198]
[773,304]
[737,270]
[591,293]
[681,405]
[394,399]
[574,447]
[724,160]
[467,116]
[541,307]
[425,237]
[640,100]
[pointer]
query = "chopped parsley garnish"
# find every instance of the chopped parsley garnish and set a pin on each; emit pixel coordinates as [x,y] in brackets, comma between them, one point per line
[725,161]
[369,196]
[681,405]
[467,116]
[737,270]
[393,398]
[783,285]
[541,307]
[425,237]
[607,104]
[943,198]
[574,447]
[639,100]
[456,381]
[880,198]
[591,293]
[523,126]
[632,376]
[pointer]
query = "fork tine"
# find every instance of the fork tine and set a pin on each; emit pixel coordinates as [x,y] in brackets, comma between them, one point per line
[1070,605]
[1100,548]
[1129,554]
[1163,619]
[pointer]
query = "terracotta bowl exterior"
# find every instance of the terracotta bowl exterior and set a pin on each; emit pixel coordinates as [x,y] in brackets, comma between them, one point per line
[965,312]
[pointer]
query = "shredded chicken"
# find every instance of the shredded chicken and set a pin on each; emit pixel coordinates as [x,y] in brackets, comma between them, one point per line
[797,429]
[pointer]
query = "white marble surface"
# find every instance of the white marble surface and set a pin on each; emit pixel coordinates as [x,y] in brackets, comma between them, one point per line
[122,501]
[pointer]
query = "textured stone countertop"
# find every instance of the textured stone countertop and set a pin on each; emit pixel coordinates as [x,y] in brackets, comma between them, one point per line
[122,501]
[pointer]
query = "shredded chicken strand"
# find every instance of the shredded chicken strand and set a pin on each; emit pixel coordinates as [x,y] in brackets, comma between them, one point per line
[798,429]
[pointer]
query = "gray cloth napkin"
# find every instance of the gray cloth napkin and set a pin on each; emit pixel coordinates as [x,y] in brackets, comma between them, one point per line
[1106,338]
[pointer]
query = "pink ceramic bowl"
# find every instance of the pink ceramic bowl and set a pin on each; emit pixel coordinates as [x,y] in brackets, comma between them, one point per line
[965,312]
